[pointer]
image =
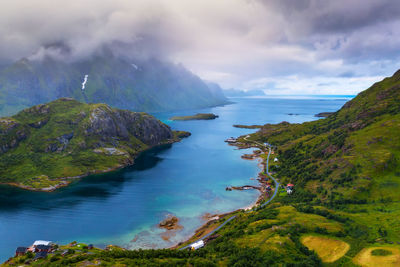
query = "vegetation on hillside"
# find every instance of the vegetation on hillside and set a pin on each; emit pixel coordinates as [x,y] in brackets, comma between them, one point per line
[41,147]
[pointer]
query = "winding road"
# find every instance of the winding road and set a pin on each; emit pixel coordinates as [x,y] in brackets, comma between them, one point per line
[234,216]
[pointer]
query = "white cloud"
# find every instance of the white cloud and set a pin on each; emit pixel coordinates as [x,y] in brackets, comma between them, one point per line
[312,86]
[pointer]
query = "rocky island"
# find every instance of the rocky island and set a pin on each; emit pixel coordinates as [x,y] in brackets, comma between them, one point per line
[46,146]
[198,116]
[323,114]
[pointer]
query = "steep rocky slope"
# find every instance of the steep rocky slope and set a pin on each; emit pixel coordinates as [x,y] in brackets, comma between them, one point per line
[138,85]
[65,138]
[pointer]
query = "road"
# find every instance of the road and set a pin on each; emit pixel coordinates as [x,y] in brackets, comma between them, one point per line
[270,176]
[211,233]
[233,217]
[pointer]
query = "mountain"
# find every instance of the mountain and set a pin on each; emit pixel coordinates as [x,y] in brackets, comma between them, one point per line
[241,93]
[143,85]
[45,146]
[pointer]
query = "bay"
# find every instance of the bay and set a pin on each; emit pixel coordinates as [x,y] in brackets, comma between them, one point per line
[187,179]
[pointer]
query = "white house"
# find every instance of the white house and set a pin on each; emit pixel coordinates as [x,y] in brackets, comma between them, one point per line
[197,245]
[275,159]
[42,242]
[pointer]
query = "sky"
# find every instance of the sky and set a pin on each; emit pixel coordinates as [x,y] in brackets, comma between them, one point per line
[279,46]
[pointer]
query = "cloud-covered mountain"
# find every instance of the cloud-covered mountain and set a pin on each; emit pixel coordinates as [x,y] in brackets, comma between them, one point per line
[140,85]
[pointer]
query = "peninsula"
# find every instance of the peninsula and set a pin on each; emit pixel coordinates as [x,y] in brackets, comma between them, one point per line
[47,146]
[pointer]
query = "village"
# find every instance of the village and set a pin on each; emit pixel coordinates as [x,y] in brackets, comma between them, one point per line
[267,193]
[265,183]
[40,249]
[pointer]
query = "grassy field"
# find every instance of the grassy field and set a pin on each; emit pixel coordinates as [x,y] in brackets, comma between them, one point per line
[366,257]
[328,249]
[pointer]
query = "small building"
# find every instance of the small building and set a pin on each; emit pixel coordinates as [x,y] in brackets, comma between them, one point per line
[197,245]
[65,252]
[40,248]
[289,188]
[275,159]
[231,140]
[42,242]
[40,255]
[90,246]
[20,251]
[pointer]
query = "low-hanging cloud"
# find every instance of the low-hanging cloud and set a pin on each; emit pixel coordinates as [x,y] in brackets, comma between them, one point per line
[238,43]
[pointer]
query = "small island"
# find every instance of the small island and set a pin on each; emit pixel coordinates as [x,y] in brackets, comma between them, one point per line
[198,116]
[247,126]
[323,114]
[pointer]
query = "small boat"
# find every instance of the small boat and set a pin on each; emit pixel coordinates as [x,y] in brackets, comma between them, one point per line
[231,140]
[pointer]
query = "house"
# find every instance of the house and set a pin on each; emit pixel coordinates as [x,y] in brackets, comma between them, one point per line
[197,245]
[40,255]
[231,140]
[65,252]
[20,251]
[42,242]
[289,188]
[40,248]
[275,159]
[90,246]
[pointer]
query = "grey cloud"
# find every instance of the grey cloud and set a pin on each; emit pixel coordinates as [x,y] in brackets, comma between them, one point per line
[233,40]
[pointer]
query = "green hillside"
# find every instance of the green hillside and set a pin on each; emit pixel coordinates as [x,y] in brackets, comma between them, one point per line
[41,147]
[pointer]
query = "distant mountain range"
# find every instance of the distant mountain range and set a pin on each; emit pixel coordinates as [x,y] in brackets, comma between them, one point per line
[241,93]
[141,85]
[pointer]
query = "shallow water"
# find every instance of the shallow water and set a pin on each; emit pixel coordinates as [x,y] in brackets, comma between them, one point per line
[187,179]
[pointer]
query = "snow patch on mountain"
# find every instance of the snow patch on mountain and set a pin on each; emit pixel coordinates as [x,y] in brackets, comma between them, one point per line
[84,82]
[135,66]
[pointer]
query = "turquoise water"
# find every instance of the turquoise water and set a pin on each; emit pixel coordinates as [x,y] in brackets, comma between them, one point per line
[187,179]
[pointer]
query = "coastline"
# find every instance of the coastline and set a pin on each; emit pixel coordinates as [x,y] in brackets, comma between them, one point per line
[212,223]
[65,181]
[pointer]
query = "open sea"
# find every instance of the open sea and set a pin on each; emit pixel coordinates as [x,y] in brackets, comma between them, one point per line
[187,179]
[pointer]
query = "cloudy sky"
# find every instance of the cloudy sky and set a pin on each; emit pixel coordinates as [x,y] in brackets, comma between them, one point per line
[279,46]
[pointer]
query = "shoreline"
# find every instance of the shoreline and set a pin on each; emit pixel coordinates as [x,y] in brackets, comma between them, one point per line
[261,197]
[65,181]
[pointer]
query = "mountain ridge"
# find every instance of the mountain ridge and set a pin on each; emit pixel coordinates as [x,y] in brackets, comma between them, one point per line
[149,85]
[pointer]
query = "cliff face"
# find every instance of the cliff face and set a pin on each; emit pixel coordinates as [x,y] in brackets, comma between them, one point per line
[66,138]
[142,85]
[109,124]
